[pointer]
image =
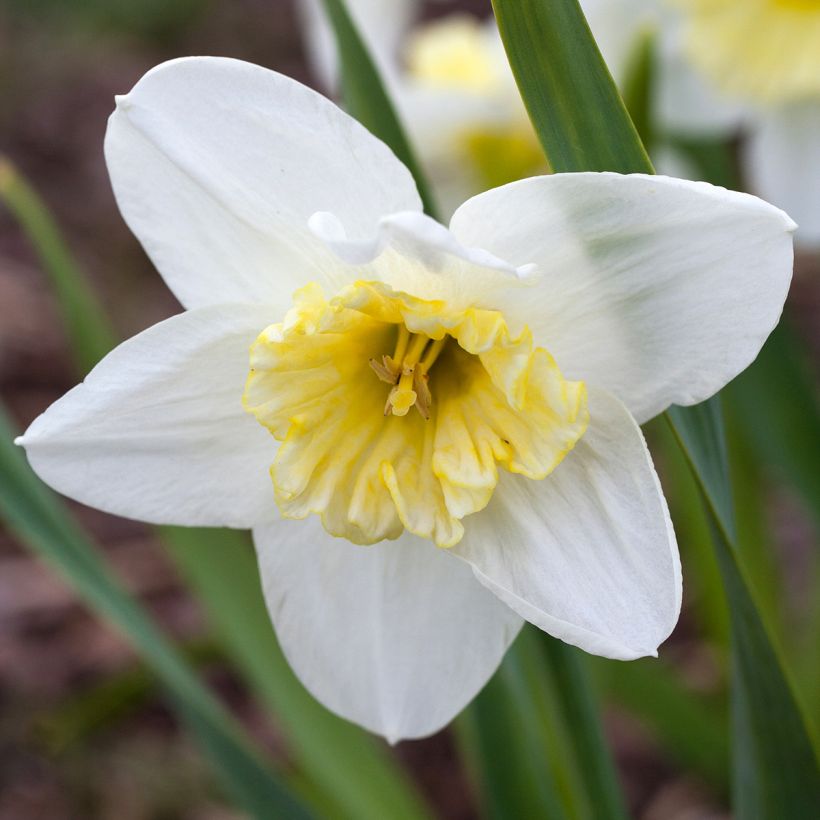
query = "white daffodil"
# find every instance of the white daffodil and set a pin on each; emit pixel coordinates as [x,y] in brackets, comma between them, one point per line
[459,99]
[432,432]
[453,88]
[727,65]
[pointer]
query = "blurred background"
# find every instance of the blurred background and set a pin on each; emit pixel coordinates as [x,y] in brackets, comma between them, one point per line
[84,732]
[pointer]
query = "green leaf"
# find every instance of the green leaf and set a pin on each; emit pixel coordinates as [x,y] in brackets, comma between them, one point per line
[365,97]
[775,403]
[750,489]
[714,159]
[638,87]
[576,702]
[516,741]
[583,126]
[775,412]
[775,765]
[533,738]
[706,599]
[90,333]
[39,519]
[700,431]
[351,767]
[573,103]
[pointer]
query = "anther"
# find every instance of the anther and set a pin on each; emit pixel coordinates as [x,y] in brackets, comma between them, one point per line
[408,371]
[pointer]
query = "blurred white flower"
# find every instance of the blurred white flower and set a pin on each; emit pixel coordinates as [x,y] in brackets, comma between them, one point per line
[724,66]
[454,91]
[727,66]
[459,100]
[395,364]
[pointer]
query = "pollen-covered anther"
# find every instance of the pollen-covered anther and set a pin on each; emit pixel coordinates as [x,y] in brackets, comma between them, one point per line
[408,369]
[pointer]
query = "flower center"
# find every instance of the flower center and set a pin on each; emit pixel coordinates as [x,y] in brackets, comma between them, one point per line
[372,469]
[455,53]
[409,370]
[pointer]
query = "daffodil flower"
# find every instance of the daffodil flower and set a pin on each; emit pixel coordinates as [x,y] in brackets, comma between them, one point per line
[453,87]
[432,432]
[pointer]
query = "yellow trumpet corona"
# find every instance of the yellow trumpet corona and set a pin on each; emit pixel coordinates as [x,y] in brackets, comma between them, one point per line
[352,450]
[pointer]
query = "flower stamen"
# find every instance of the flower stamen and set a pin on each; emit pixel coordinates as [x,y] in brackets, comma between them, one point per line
[433,353]
[408,370]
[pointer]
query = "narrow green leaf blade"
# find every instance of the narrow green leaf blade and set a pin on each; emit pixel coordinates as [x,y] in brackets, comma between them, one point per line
[578,705]
[775,764]
[638,87]
[90,333]
[515,737]
[713,158]
[775,414]
[39,519]
[700,429]
[704,586]
[534,739]
[572,101]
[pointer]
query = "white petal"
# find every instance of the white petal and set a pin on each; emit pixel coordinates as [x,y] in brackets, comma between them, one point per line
[413,235]
[783,163]
[659,290]
[157,431]
[588,554]
[397,637]
[417,255]
[217,165]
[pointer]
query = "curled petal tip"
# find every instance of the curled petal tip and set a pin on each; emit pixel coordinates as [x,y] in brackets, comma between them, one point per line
[122,101]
